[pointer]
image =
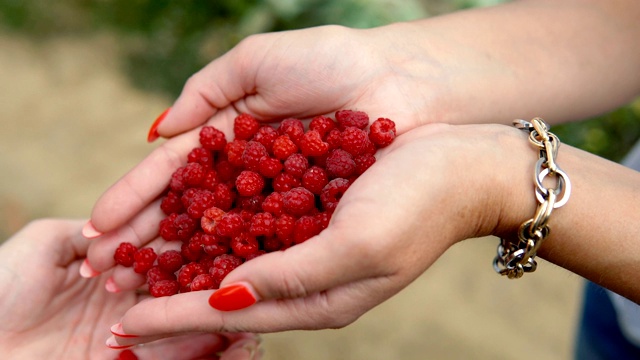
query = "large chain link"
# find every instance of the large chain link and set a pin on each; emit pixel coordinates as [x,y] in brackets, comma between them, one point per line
[515,259]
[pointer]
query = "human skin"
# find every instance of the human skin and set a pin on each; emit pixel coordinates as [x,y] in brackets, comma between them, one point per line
[559,60]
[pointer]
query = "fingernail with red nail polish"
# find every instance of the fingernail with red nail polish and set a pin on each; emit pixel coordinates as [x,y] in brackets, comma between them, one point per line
[89,231]
[86,271]
[232,297]
[111,286]
[153,132]
[117,331]
[112,343]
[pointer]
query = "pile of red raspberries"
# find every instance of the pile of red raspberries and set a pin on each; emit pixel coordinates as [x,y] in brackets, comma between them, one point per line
[268,189]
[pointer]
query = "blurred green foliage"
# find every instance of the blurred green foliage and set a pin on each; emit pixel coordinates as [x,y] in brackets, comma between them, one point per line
[164,42]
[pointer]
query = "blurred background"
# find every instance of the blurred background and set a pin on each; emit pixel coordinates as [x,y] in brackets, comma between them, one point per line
[82,81]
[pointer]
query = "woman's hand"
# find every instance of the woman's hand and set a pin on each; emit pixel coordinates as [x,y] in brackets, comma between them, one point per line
[48,311]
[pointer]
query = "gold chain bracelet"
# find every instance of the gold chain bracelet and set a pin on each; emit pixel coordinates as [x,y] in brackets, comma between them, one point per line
[515,259]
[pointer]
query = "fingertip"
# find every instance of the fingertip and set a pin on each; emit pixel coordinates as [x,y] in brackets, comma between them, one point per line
[233,297]
[86,271]
[153,134]
[89,231]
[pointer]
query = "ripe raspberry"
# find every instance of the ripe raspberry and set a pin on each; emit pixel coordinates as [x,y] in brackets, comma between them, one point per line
[127,354]
[332,193]
[382,132]
[296,165]
[269,167]
[354,140]
[272,244]
[285,182]
[323,219]
[202,282]
[212,138]
[188,253]
[363,162]
[315,179]
[201,156]
[189,272]
[322,125]
[273,204]
[262,224]
[177,227]
[251,204]
[292,127]
[124,254]
[230,225]
[210,180]
[253,153]
[305,228]
[283,147]
[245,126]
[164,288]
[210,218]
[298,201]
[156,274]
[266,136]
[223,197]
[334,139]
[311,144]
[340,164]
[284,228]
[244,245]
[171,203]
[226,171]
[193,174]
[249,183]
[346,118]
[215,245]
[143,260]
[176,183]
[234,151]
[202,200]
[170,261]
[223,265]
[187,197]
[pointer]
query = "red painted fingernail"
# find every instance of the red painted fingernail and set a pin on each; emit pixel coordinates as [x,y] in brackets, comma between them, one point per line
[117,331]
[89,231]
[86,271]
[153,132]
[232,297]
[111,286]
[113,344]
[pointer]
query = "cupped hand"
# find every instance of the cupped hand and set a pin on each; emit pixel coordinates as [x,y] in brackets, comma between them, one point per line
[434,186]
[48,311]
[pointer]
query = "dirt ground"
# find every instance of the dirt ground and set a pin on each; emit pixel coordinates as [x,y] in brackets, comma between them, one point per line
[71,124]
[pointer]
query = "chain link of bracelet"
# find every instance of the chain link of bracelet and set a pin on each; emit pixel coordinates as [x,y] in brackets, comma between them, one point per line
[515,259]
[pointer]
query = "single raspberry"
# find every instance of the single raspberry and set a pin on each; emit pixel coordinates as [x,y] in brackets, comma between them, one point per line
[305,228]
[202,282]
[252,204]
[189,272]
[177,227]
[212,138]
[382,132]
[298,201]
[226,171]
[127,354]
[245,126]
[249,183]
[273,204]
[244,245]
[230,225]
[370,148]
[284,228]
[171,203]
[210,180]
[312,144]
[164,288]
[340,164]
[156,274]
[210,218]
[283,147]
[363,162]
[234,151]
[334,139]
[224,197]
[292,127]
[332,193]
[215,245]
[262,224]
[193,174]
[285,182]
[188,196]
[354,140]
[315,179]
[253,153]
[194,246]
[269,167]
[143,260]
[201,156]
[176,183]
[272,244]
[296,165]
[266,136]
[170,261]
[223,265]
[346,118]
[322,124]
[202,200]
[323,219]
[124,254]
[188,253]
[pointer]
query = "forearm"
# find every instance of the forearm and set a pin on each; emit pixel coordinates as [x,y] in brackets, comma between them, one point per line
[562,60]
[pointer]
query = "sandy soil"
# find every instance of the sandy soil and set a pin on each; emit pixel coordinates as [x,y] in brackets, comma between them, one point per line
[71,124]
